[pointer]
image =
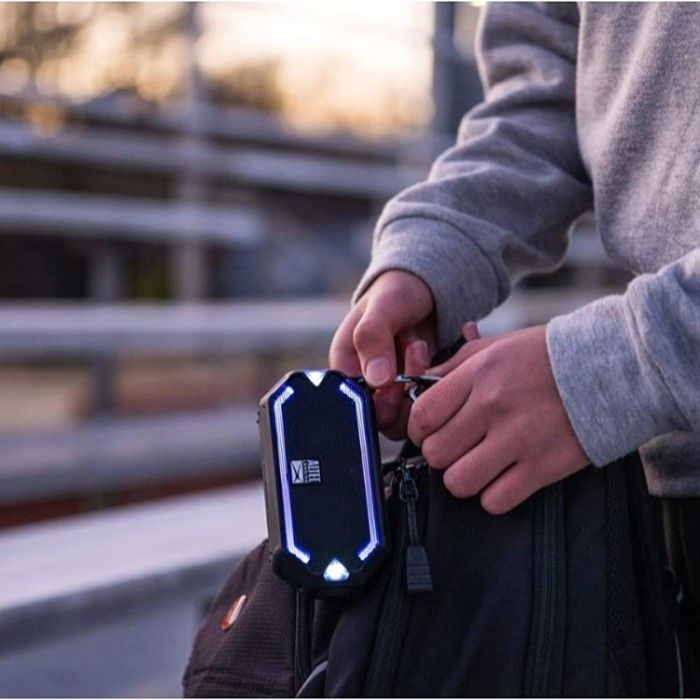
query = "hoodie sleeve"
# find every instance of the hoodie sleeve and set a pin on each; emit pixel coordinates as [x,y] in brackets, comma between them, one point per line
[499,203]
[628,366]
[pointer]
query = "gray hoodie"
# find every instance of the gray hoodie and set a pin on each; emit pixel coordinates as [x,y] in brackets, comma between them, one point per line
[595,105]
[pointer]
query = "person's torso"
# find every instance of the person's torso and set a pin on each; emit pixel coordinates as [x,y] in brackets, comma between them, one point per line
[638,120]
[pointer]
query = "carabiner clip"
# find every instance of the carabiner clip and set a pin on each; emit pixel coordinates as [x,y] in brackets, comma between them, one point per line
[419,383]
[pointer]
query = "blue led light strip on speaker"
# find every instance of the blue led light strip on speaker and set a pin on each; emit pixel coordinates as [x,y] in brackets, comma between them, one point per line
[356,398]
[282,465]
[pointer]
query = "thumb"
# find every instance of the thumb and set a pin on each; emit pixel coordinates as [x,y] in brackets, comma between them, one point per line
[373,338]
[397,301]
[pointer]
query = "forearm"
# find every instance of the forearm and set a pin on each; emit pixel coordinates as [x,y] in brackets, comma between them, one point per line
[627,366]
[500,202]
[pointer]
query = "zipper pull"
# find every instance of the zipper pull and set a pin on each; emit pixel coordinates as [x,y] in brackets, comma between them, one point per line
[418,577]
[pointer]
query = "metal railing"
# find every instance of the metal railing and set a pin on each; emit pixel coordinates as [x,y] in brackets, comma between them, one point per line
[127,452]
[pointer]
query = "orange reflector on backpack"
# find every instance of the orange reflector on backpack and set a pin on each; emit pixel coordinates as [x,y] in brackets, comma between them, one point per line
[233,612]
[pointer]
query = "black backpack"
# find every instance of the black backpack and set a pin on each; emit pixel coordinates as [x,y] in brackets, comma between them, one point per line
[567,595]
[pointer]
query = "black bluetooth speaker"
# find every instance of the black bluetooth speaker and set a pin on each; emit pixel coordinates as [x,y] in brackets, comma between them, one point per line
[323,483]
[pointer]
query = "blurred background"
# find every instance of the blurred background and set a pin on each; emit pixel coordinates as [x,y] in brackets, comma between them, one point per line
[187,194]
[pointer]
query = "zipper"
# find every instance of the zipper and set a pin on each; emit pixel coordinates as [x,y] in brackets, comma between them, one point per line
[418,577]
[410,574]
[544,669]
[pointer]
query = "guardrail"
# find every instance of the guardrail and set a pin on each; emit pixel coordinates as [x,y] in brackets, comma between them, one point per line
[113,217]
[125,452]
[116,454]
[83,329]
[173,154]
[229,123]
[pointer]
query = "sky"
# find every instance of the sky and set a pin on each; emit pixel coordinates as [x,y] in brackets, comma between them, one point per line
[355,64]
[367,62]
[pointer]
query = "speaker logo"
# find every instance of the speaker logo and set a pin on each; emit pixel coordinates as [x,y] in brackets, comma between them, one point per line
[306,471]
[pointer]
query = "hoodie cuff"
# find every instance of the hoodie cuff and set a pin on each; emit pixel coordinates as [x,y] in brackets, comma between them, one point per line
[614,403]
[461,278]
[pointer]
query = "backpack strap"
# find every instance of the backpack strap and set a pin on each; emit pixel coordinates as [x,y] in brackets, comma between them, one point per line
[656,587]
[641,608]
[302,638]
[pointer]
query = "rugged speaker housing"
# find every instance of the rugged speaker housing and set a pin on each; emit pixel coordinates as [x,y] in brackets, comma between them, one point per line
[323,483]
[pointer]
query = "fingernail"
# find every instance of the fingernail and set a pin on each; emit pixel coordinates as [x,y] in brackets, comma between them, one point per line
[378,371]
[470,331]
[420,355]
[422,350]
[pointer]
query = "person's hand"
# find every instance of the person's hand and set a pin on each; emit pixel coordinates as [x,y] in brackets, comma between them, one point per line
[496,423]
[390,329]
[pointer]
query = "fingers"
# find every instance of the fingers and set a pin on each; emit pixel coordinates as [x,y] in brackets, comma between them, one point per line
[364,344]
[396,302]
[426,330]
[438,404]
[391,405]
[388,404]
[470,331]
[416,357]
[373,339]
[471,348]
[400,302]
[510,489]
[461,433]
[342,354]
[474,470]
[382,334]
